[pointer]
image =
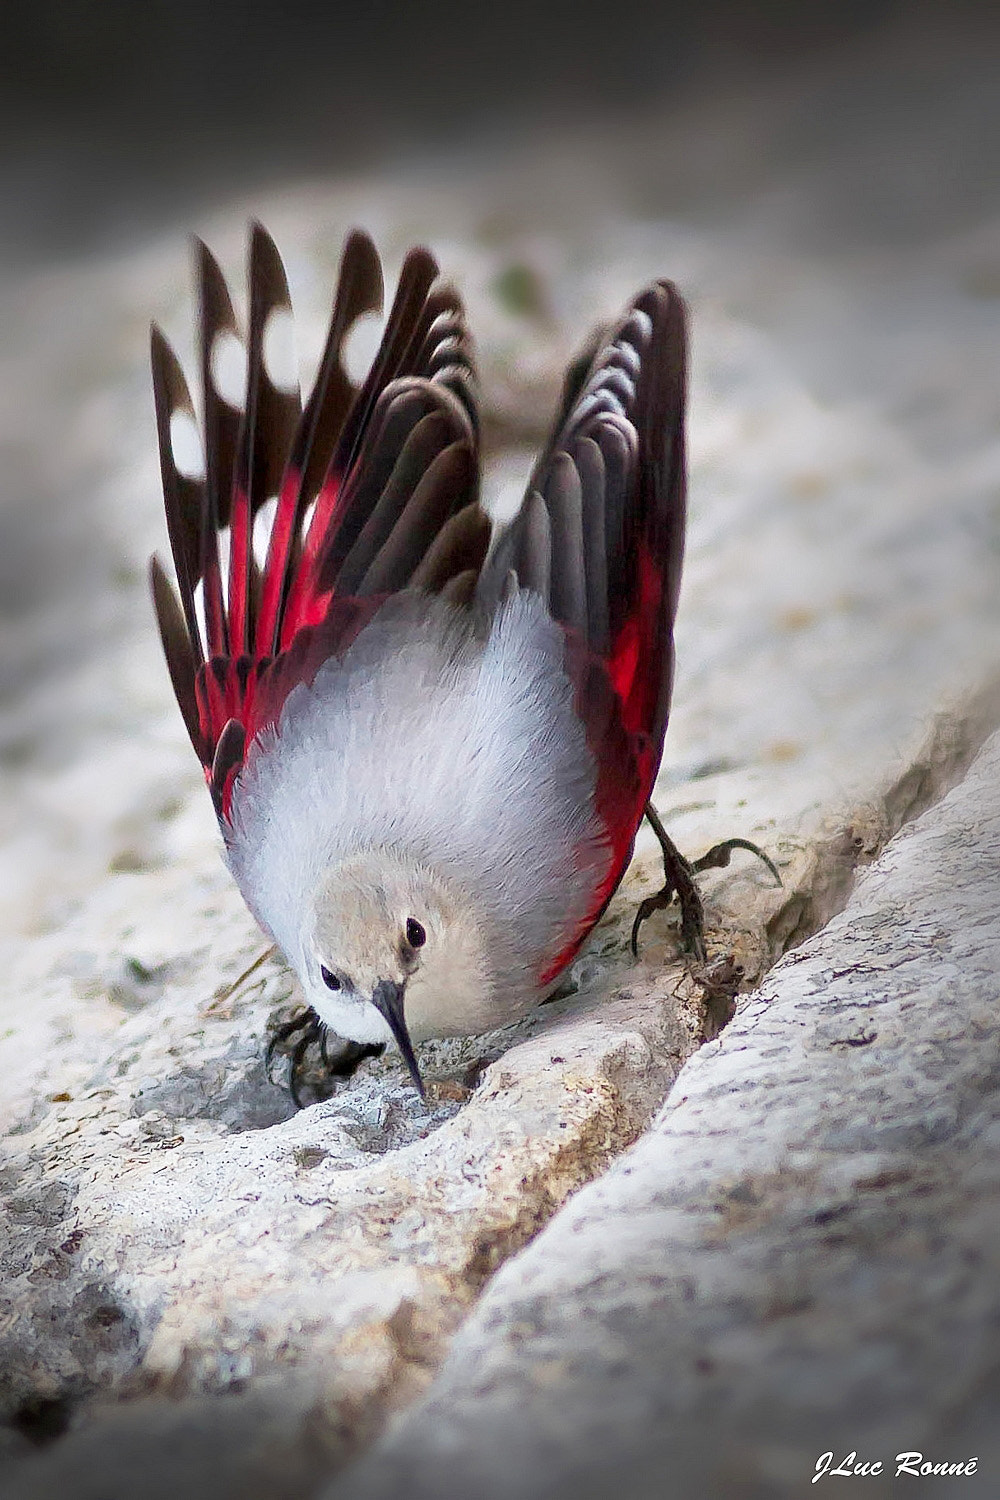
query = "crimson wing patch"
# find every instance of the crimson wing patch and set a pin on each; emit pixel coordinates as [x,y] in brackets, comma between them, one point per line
[290,522]
[600,536]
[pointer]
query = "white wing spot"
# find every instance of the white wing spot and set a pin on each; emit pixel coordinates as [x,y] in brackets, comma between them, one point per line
[262,523]
[228,368]
[199,613]
[361,346]
[306,522]
[185,445]
[225,546]
[280,360]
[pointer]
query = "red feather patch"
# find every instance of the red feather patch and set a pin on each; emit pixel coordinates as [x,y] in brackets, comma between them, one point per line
[243,635]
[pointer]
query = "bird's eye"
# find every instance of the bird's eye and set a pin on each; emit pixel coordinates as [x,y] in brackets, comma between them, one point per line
[415,934]
[329,979]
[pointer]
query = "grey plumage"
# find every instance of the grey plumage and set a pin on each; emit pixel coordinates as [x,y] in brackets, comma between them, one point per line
[370,756]
[410,723]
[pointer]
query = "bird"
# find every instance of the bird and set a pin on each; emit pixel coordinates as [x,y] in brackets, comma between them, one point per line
[430,738]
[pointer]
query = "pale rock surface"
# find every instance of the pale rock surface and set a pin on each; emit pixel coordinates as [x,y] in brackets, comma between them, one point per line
[199,1286]
[802,1254]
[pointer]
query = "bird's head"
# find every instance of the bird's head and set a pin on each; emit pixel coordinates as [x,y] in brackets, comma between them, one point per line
[393,950]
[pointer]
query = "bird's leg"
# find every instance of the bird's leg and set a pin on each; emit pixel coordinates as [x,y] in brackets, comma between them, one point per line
[351,1055]
[678,879]
[679,874]
[719,855]
[295,1066]
[306,1021]
[342,1064]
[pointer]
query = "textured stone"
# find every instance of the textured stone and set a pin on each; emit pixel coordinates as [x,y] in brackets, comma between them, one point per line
[183,1255]
[800,1255]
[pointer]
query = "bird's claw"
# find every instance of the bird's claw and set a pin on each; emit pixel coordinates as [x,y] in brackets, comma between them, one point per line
[719,855]
[342,1064]
[679,881]
[646,908]
[692,917]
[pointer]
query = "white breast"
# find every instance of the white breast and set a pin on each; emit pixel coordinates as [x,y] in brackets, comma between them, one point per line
[423,737]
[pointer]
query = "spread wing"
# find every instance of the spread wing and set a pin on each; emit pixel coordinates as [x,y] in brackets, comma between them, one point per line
[290,522]
[600,536]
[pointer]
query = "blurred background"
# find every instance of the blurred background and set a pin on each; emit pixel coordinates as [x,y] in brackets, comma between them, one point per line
[823,180]
[117,118]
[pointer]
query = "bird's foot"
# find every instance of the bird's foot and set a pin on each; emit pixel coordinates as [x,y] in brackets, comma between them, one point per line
[309,1030]
[679,881]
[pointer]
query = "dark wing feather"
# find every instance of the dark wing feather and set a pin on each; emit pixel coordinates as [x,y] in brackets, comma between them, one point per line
[220,419]
[183,493]
[600,536]
[374,490]
[458,550]
[329,407]
[593,478]
[220,426]
[450,475]
[600,533]
[273,407]
[178,648]
[563,499]
[401,389]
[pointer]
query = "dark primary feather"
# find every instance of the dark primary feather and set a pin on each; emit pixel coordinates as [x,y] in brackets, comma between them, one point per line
[374,488]
[221,426]
[183,494]
[270,418]
[600,536]
[611,485]
[179,650]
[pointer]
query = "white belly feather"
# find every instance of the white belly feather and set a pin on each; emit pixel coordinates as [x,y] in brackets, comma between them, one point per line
[465,753]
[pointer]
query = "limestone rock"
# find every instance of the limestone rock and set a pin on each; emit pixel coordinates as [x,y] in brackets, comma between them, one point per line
[799,1256]
[183,1254]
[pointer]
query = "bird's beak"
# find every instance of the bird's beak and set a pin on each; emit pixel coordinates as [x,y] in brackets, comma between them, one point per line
[388,1001]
